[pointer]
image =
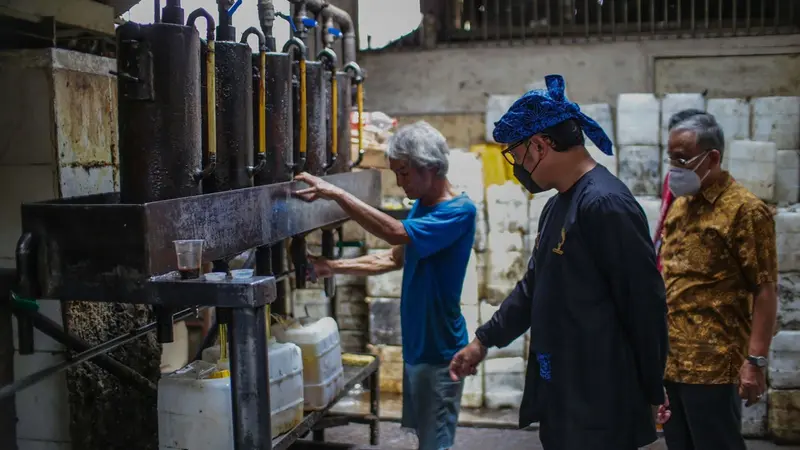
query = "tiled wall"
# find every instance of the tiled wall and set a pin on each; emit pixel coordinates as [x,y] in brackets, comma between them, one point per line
[57,133]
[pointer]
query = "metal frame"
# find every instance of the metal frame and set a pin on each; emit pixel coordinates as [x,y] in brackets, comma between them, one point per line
[95,248]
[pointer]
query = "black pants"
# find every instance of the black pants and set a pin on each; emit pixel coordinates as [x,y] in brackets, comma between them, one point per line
[704,417]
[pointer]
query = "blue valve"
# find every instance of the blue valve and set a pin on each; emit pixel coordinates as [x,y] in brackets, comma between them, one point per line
[234,7]
[335,32]
[288,19]
[309,22]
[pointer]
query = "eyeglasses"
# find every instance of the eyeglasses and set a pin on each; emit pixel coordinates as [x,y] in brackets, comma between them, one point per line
[685,163]
[508,152]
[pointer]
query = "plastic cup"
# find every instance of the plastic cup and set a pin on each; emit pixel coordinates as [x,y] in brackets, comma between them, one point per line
[242,274]
[216,276]
[190,257]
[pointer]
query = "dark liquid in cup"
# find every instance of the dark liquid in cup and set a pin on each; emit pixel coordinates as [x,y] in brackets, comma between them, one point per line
[189,274]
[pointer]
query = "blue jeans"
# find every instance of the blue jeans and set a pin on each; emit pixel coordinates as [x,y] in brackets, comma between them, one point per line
[431,403]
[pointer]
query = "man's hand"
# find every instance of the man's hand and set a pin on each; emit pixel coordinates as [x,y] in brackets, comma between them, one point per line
[322,267]
[466,361]
[661,413]
[318,188]
[752,383]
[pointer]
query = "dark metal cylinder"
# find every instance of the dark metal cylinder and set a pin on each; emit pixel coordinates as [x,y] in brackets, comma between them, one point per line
[249,379]
[316,88]
[159,111]
[234,91]
[164,324]
[344,158]
[280,123]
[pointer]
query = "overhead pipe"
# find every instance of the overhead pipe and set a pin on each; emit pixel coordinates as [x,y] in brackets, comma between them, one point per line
[328,58]
[266,18]
[295,47]
[262,99]
[211,92]
[343,21]
[358,80]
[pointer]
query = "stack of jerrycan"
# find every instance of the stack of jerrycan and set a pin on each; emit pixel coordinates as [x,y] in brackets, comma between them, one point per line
[320,345]
[194,403]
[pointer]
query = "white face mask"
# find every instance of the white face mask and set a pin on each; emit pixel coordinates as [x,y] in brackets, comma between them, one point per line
[684,181]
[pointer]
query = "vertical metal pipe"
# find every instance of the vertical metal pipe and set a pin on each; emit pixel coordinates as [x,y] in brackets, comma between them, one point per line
[250,396]
[599,22]
[549,15]
[472,24]
[524,22]
[278,253]
[296,47]
[639,18]
[613,20]
[485,21]
[261,102]
[164,329]
[156,11]
[27,288]
[586,19]
[510,22]
[374,406]
[776,24]
[693,19]
[358,80]
[735,16]
[497,21]
[749,12]
[536,21]
[652,17]
[327,252]
[561,26]
[707,17]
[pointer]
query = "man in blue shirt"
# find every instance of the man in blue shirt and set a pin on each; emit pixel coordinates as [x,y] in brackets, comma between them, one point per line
[433,247]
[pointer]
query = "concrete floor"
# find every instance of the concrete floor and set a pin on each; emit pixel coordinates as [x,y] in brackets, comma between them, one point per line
[393,437]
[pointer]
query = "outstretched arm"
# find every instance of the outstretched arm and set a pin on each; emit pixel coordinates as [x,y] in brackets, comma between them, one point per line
[374,264]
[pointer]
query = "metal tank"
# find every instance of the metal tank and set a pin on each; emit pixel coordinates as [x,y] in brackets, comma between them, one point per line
[233,109]
[345,106]
[316,153]
[279,120]
[158,75]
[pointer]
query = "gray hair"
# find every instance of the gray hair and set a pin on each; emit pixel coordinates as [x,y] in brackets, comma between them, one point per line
[422,145]
[708,133]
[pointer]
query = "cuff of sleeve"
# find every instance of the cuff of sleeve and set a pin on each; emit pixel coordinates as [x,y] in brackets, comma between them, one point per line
[482,336]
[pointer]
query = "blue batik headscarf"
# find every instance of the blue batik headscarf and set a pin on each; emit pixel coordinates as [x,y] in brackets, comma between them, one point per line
[541,109]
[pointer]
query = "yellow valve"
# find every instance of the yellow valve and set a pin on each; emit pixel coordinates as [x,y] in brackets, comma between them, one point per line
[223,342]
[334,114]
[360,104]
[262,104]
[211,100]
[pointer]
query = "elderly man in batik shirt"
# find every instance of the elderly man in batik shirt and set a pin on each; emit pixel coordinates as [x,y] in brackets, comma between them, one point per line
[720,271]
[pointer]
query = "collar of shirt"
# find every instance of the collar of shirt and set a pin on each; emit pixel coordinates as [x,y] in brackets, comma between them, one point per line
[712,192]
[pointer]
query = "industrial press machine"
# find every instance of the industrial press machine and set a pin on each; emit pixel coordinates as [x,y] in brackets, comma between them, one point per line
[210,138]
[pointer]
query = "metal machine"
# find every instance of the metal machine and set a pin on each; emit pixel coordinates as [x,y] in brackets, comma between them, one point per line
[210,137]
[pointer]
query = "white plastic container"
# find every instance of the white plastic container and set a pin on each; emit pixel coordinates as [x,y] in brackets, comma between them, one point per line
[322,359]
[194,409]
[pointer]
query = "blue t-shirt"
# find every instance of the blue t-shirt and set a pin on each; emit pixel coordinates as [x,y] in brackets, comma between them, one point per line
[433,274]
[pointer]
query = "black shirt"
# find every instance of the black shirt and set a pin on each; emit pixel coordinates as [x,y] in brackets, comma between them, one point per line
[595,302]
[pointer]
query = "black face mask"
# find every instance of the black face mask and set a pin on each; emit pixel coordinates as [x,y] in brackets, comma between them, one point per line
[524,177]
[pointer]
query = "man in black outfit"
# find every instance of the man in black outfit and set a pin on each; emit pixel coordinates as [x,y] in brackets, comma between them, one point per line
[592,295]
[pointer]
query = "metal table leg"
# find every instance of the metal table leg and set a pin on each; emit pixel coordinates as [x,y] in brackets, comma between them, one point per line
[249,379]
[374,407]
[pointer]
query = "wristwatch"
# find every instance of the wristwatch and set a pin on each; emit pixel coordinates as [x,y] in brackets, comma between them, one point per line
[758,361]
